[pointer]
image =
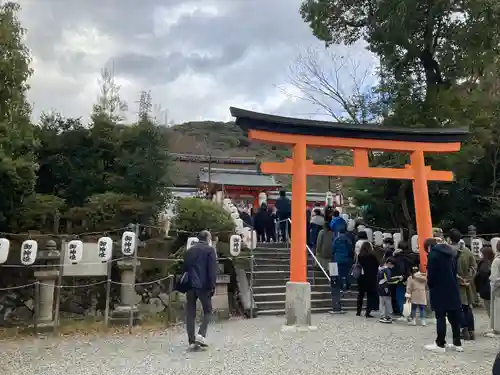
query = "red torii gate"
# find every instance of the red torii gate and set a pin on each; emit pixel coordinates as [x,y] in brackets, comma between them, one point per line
[300,133]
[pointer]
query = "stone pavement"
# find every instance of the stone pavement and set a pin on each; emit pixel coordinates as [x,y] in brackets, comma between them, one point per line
[342,345]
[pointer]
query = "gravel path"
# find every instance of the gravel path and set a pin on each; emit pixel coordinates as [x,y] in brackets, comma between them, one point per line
[342,345]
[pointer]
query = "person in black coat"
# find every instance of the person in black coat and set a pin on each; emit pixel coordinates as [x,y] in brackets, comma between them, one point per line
[367,282]
[261,220]
[482,277]
[496,365]
[271,225]
[444,293]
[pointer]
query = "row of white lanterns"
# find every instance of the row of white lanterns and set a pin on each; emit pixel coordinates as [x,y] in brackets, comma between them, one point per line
[74,249]
[377,238]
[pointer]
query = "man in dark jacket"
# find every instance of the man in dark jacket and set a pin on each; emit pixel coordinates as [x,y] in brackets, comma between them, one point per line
[200,265]
[284,211]
[444,293]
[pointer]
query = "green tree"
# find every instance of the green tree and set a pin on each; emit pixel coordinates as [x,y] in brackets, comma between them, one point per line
[17,145]
[434,57]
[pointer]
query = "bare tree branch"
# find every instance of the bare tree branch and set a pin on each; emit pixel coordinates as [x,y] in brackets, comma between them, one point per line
[327,88]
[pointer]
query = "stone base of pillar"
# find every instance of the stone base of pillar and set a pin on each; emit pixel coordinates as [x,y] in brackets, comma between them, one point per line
[121,315]
[298,307]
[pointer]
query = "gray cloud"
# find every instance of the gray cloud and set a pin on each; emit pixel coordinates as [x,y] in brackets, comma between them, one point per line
[196,56]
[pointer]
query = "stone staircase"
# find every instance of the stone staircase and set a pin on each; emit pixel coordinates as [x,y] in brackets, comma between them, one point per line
[272,271]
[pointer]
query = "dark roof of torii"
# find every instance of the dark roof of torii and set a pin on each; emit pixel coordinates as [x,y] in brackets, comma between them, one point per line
[249,120]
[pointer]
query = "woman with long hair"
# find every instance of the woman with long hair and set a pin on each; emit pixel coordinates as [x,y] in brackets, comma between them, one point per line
[367,282]
[482,277]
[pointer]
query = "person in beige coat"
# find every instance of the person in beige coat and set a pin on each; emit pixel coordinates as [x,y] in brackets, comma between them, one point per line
[416,293]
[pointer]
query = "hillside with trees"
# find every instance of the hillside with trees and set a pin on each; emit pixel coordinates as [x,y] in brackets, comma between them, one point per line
[227,139]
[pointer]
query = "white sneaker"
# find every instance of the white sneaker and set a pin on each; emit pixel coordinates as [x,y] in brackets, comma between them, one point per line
[459,349]
[423,322]
[402,319]
[201,341]
[435,348]
[412,322]
[193,346]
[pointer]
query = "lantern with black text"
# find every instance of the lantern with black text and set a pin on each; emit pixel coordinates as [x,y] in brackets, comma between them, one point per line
[105,249]
[4,249]
[235,245]
[191,241]
[74,251]
[128,243]
[29,250]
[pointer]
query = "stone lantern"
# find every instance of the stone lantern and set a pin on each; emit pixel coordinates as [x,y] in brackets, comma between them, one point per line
[47,275]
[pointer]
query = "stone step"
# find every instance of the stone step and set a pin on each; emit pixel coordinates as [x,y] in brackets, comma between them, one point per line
[282,288]
[272,245]
[276,305]
[316,310]
[262,259]
[264,306]
[283,274]
[280,282]
[281,297]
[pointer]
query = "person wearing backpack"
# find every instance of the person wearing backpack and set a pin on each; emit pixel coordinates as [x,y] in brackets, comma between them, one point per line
[342,255]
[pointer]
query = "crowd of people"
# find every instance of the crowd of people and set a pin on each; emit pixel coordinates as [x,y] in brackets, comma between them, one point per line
[388,277]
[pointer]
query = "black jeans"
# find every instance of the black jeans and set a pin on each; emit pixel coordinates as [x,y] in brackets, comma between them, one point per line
[394,300]
[454,319]
[371,299]
[205,297]
[467,318]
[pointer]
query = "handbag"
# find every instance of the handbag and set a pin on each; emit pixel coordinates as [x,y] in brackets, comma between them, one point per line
[183,283]
[356,270]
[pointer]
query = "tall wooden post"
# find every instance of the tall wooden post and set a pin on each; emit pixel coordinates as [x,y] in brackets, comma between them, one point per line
[298,252]
[422,204]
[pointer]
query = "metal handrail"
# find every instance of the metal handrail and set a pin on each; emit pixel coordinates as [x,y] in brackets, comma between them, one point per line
[310,252]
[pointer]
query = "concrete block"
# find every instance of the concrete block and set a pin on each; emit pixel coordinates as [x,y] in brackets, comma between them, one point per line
[298,306]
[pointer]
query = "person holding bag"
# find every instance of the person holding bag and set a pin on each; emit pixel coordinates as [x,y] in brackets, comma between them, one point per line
[416,294]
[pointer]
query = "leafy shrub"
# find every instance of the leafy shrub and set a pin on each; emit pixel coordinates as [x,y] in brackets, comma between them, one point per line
[196,214]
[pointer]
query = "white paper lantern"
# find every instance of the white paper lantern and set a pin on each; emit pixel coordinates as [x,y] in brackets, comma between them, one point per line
[476,245]
[329,199]
[129,240]
[235,244]
[351,225]
[397,239]
[105,249]
[494,242]
[29,250]
[262,198]
[414,243]
[369,234]
[191,241]
[239,224]
[74,251]
[386,235]
[4,250]
[378,238]
[253,240]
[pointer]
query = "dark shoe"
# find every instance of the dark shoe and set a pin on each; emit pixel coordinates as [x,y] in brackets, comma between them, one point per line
[472,335]
[358,313]
[465,334]
[368,315]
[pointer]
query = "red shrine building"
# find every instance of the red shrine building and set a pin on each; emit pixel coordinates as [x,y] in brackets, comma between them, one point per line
[239,179]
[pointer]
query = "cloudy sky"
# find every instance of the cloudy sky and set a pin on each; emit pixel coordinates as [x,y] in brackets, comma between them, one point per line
[198,57]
